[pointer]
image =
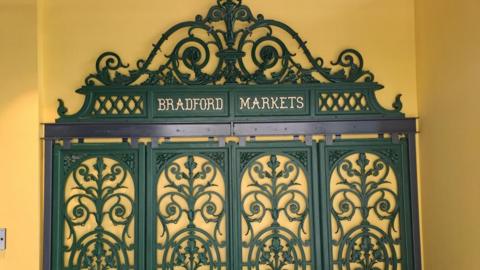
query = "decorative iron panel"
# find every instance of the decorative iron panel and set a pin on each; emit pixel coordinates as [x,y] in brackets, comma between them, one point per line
[274,207]
[224,50]
[113,104]
[188,207]
[368,211]
[266,205]
[97,218]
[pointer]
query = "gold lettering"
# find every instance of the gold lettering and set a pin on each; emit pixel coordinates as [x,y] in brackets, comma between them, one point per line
[292,99]
[274,102]
[265,101]
[196,101]
[170,104]
[189,104]
[282,103]
[180,104]
[256,103]
[219,102]
[244,103]
[300,102]
[161,104]
[203,104]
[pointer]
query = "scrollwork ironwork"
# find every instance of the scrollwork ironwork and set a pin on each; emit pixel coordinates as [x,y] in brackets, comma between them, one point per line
[365,213]
[220,48]
[274,209]
[300,156]
[246,157]
[99,216]
[191,193]
[217,157]
[228,46]
[70,160]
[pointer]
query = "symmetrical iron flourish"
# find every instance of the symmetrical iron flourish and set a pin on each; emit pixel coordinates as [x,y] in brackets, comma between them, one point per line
[339,204]
[266,205]
[365,212]
[275,214]
[229,48]
[190,203]
[99,216]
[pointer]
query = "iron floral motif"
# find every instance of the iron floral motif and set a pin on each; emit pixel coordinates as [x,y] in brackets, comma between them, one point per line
[99,198]
[335,155]
[191,194]
[301,157]
[228,48]
[364,208]
[229,45]
[161,159]
[273,194]
[246,157]
[69,161]
[217,157]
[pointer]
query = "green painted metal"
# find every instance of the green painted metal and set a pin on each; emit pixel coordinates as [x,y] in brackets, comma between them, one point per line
[205,75]
[272,201]
[98,218]
[199,205]
[373,188]
[194,194]
[232,207]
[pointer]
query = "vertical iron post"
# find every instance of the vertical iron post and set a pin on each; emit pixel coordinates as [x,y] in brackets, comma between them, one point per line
[47,203]
[412,159]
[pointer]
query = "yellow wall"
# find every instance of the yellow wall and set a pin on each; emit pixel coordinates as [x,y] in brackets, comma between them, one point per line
[448,54]
[76,32]
[19,135]
[71,34]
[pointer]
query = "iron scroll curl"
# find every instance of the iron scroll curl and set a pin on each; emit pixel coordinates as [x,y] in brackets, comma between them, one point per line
[228,47]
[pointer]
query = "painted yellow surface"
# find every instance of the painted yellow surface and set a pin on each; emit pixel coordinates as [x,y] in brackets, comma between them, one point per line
[85,222]
[20,187]
[337,185]
[448,53]
[76,32]
[71,34]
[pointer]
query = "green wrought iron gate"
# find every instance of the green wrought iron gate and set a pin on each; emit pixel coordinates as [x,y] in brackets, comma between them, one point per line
[189,207]
[99,202]
[339,194]
[266,205]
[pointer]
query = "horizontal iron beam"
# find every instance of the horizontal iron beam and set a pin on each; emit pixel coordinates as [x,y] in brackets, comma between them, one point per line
[326,127]
[147,130]
[130,130]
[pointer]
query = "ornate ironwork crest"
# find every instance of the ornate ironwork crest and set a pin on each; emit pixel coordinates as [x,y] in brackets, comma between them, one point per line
[228,46]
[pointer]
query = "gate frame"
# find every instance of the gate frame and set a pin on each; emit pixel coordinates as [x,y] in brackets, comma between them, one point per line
[358,113]
[133,131]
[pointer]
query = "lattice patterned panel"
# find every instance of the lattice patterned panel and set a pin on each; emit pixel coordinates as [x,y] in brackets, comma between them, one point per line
[365,213]
[99,218]
[118,105]
[275,228]
[191,221]
[343,102]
